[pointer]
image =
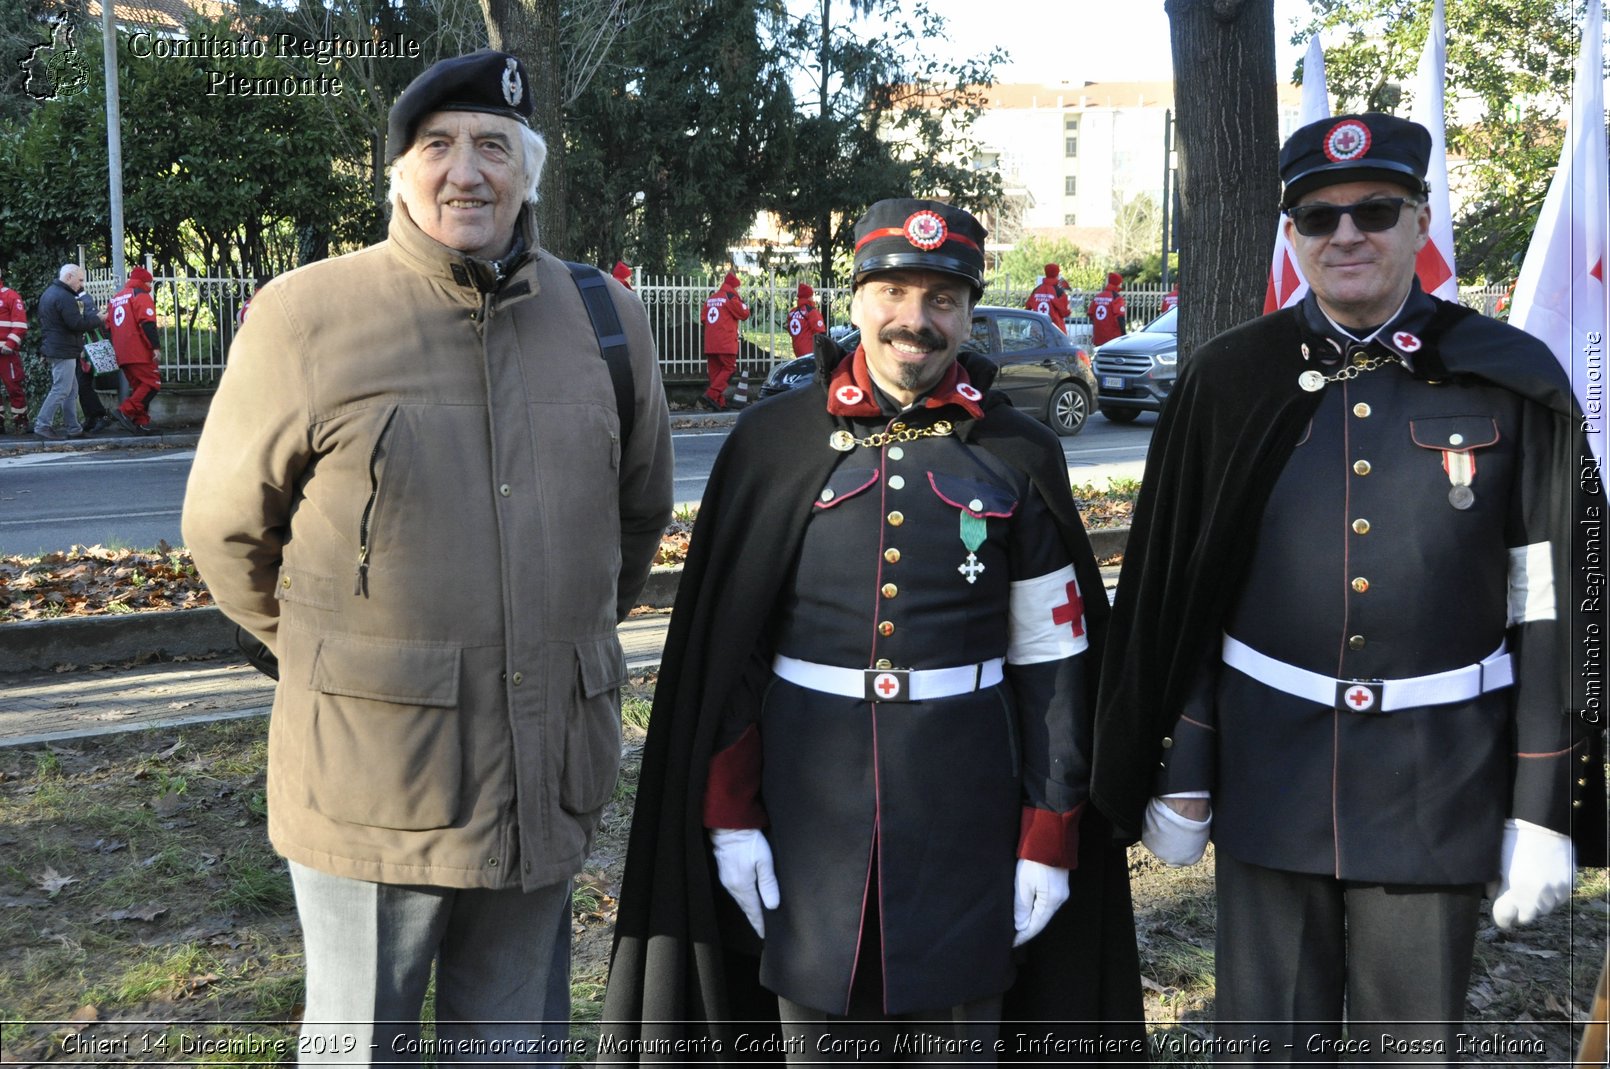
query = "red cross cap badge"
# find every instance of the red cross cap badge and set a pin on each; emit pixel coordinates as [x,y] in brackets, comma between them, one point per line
[926,230]
[1347,140]
[1406,342]
[849,394]
[1361,699]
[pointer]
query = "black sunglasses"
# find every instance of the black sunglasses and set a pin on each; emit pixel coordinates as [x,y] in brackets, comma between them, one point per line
[1370,216]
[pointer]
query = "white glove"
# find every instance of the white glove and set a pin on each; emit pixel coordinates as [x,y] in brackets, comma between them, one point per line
[1537,867]
[1041,889]
[743,861]
[1175,839]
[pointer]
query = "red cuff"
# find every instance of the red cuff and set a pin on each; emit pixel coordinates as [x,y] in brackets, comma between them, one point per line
[732,793]
[1050,838]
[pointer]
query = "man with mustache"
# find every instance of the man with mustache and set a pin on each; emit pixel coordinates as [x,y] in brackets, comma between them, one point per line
[863,790]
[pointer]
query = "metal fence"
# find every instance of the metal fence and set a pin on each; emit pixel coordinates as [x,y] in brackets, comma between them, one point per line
[197,315]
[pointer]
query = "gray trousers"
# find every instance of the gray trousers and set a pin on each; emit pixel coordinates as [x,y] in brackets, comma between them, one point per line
[1297,953]
[502,963]
[63,397]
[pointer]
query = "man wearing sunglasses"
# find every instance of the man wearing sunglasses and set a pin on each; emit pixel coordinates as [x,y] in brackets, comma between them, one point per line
[1342,642]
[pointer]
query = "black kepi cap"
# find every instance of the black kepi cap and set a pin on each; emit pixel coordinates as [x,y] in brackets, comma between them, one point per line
[1354,148]
[921,234]
[486,81]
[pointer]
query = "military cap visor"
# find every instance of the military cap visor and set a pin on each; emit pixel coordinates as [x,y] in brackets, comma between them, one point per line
[1354,148]
[486,81]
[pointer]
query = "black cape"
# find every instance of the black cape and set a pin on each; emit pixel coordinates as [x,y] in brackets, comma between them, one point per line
[683,984]
[1225,435]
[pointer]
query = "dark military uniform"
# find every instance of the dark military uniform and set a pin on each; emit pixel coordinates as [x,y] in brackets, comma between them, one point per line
[925,553]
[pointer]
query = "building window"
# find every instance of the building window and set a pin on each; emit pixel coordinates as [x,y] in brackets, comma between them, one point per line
[1070,185]
[1070,220]
[1070,145]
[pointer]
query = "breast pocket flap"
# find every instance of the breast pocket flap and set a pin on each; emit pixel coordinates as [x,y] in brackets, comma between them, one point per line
[976,498]
[844,484]
[1454,434]
[603,666]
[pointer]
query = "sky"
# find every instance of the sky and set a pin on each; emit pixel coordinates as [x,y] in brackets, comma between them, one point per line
[1090,40]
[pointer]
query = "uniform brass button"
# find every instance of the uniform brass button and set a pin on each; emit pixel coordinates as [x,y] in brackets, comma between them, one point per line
[896,453]
[1577,804]
[891,555]
[1361,526]
[896,482]
[1361,467]
[1581,783]
[1456,439]
[827,495]
[896,518]
[492,862]
[883,662]
[1360,358]
[1361,584]
[1356,642]
[286,582]
[975,505]
[505,490]
[517,678]
[886,629]
[897,427]
[1168,743]
[1584,759]
[1361,410]
[890,590]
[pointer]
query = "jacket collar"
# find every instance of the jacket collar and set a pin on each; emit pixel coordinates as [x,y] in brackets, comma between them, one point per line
[851,393]
[1404,335]
[471,275]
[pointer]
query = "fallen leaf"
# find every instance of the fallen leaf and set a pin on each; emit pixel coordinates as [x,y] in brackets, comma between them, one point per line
[52,882]
[136,913]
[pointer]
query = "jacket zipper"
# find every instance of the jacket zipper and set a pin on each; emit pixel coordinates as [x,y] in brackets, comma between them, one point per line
[361,579]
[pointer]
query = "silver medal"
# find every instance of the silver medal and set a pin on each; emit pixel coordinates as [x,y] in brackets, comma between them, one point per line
[843,441]
[1461,497]
[1311,381]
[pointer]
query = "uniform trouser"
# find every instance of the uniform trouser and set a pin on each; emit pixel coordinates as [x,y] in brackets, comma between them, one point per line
[62,397]
[88,399]
[1297,951]
[13,382]
[502,971]
[719,366]
[144,382]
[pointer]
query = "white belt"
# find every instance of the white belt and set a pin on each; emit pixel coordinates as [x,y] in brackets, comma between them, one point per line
[889,684]
[1373,695]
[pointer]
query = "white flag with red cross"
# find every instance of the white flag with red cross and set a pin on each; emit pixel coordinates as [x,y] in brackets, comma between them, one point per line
[1434,265]
[1560,294]
[1286,282]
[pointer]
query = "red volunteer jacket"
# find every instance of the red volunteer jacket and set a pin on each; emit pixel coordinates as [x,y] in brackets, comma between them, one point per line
[723,311]
[133,319]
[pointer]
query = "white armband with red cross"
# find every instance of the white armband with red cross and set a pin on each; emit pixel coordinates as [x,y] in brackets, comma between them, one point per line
[1047,618]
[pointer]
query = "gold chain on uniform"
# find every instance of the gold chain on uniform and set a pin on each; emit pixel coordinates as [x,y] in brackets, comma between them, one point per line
[1353,371]
[901,433]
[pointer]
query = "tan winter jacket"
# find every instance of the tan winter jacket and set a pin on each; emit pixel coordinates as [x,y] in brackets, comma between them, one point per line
[416,495]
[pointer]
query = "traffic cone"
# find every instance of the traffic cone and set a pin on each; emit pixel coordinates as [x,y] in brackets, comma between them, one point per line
[740,395]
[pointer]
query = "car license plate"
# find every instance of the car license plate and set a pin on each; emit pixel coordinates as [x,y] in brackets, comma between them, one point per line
[1113,382]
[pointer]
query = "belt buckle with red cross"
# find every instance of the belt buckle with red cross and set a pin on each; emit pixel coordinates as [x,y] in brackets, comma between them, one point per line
[887,684]
[1359,695]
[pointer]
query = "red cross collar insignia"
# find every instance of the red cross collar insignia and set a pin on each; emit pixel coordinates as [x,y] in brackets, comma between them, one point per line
[1406,342]
[1347,140]
[1071,611]
[849,391]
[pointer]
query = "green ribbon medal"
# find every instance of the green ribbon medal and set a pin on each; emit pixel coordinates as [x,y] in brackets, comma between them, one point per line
[974,530]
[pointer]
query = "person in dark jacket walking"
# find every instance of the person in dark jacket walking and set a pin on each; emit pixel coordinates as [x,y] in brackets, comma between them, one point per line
[66,313]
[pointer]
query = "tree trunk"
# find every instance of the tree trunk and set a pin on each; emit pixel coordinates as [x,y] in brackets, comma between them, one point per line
[529,29]
[1228,138]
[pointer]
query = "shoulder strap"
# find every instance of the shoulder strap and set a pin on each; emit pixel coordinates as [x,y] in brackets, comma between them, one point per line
[611,340]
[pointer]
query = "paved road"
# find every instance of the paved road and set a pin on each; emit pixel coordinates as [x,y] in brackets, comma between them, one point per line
[131,498]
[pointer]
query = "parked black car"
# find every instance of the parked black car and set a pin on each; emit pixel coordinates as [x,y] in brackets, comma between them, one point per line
[1041,370]
[1136,371]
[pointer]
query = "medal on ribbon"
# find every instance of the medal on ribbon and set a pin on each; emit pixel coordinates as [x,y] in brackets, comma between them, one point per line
[974,528]
[1461,469]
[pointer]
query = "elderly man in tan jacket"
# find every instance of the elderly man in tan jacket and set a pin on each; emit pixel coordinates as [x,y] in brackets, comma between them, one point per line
[416,489]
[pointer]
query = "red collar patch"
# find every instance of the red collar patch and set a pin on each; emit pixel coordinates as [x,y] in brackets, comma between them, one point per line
[850,392]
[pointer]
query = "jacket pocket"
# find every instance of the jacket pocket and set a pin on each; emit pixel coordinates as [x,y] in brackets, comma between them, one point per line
[981,500]
[385,749]
[844,484]
[1454,434]
[593,730]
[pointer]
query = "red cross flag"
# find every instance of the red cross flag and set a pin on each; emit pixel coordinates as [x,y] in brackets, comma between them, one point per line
[1560,294]
[1286,282]
[1434,265]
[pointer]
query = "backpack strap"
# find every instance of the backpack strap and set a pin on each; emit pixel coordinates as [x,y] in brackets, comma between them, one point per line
[611,340]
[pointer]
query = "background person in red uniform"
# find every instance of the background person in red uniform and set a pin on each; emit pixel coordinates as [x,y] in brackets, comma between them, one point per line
[1051,297]
[133,319]
[13,328]
[1171,299]
[622,273]
[723,311]
[1106,311]
[805,322]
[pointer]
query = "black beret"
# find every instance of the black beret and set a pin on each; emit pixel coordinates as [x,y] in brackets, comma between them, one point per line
[921,234]
[1354,148]
[493,82]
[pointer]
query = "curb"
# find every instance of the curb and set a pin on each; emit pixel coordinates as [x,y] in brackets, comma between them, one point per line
[41,645]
